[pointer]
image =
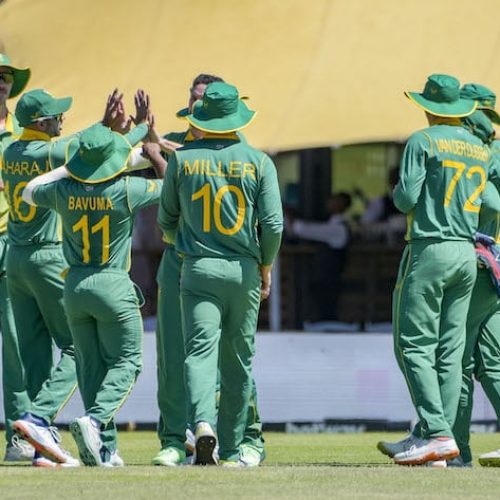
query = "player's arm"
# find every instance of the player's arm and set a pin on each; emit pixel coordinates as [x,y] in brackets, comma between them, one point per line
[411,173]
[270,214]
[142,192]
[41,191]
[169,209]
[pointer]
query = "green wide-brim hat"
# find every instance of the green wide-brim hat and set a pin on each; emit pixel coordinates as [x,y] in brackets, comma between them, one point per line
[21,76]
[102,155]
[221,110]
[485,97]
[182,113]
[441,97]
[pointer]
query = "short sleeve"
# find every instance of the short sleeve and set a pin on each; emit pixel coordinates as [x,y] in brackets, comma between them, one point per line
[142,192]
[46,195]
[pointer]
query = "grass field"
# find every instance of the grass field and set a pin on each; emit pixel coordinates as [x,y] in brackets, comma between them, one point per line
[297,466]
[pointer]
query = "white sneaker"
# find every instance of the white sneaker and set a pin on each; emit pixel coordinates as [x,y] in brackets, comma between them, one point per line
[391,449]
[427,450]
[491,459]
[19,451]
[438,464]
[170,457]
[205,445]
[88,439]
[40,461]
[250,456]
[114,460]
[45,440]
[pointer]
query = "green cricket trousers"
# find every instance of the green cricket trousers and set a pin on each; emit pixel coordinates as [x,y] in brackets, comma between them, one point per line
[481,357]
[16,401]
[35,287]
[220,301]
[103,313]
[430,305]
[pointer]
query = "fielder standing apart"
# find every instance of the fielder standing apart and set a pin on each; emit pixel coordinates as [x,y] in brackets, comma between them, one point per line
[443,176]
[222,189]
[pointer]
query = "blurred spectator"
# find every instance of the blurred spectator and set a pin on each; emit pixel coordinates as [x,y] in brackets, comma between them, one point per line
[382,208]
[330,258]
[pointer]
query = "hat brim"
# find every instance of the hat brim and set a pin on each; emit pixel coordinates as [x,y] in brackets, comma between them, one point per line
[182,113]
[21,78]
[491,114]
[59,106]
[112,167]
[457,109]
[229,123]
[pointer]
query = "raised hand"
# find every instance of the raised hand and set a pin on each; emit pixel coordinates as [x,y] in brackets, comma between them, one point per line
[141,101]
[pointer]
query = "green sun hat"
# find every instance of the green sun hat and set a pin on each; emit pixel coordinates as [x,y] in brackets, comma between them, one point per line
[480,125]
[182,113]
[486,99]
[441,97]
[102,155]
[21,76]
[39,103]
[221,110]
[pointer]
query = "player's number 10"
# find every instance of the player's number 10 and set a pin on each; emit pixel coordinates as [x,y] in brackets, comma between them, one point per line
[205,194]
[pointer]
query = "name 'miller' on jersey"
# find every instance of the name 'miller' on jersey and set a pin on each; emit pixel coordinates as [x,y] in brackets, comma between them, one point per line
[26,168]
[90,203]
[235,169]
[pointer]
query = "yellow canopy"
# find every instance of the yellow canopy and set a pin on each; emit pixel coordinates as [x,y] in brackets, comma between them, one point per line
[318,72]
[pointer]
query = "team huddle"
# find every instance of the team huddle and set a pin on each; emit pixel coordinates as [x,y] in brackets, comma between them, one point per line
[68,207]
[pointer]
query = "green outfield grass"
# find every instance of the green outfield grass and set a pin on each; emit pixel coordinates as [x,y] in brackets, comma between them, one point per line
[297,466]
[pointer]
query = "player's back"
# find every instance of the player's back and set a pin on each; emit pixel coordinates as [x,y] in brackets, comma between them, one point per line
[23,161]
[218,182]
[98,218]
[456,172]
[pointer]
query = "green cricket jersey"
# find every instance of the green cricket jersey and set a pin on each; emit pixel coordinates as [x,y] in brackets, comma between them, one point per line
[443,176]
[98,218]
[493,228]
[11,133]
[32,155]
[24,160]
[223,187]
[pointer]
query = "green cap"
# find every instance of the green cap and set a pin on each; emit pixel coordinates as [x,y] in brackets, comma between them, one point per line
[21,76]
[39,103]
[221,110]
[480,125]
[486,99]
[441,97]
[182,113]
[102,155]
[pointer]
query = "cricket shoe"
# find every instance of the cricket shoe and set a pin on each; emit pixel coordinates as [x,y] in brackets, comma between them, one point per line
[46,440]
[251,456]
[231,464]
[391,449]
[491,459]
[427,450]
[437,464]
[87,435]
[205,445]
[111,460]
[458,462]
[170,457]
[19,450]
[39,461]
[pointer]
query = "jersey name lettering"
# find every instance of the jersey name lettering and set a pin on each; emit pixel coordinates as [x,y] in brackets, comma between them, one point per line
[235,169]
[89,203]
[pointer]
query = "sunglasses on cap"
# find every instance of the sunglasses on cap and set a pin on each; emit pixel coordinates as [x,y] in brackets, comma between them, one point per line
[6,76]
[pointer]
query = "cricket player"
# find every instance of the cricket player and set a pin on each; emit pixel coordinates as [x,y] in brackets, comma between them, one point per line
[221,188]
[170,340]
[34,266]
[443,180]
[97,208]
[15,398]
[482,348]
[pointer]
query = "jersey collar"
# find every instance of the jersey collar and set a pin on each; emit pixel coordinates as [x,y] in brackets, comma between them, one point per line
[34,135]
